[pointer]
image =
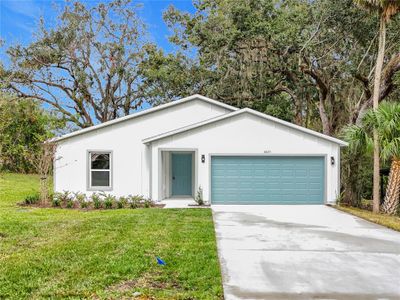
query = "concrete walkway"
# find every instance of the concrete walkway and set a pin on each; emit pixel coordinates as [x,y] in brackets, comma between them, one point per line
[305,252]
[178,203]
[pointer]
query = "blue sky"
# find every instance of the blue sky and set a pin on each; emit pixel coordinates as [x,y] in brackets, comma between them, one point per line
[19,18]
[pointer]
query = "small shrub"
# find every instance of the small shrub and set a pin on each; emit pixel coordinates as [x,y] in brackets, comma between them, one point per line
[56,200]
[60,199]
[32,199]
[97,201]
[67,199]
[339,198]
[79,196]
[70,203]
[148,203]
[81,199]
[51,196]
[199,196]
[121,202]
[135,201]
[64,197]
[109,201]
[84,204]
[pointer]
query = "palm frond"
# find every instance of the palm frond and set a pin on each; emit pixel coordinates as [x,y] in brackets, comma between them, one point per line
[370,5]
[388,8]
[390,149]
[386,121]
[369,121]
[358,139]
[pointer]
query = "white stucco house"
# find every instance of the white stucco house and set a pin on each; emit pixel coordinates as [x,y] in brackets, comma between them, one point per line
[237,156]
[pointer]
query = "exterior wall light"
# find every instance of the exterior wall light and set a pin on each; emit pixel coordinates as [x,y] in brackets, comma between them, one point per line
[203,158]
[332,161]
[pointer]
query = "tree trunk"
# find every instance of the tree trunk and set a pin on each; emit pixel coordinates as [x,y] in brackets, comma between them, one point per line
[44,189]
[393,189]
[376,176]
[326,125]
[44,165]
[377,81]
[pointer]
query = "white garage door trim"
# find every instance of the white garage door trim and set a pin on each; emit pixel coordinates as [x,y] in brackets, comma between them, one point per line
[324,156]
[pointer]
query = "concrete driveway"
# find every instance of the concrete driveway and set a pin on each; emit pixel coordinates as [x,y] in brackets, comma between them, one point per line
[305,252]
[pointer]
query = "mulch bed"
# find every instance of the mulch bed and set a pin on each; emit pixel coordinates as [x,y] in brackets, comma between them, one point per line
[77,207]
[200,206]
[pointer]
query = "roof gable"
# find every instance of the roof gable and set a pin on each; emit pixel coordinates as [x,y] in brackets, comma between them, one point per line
[242,111]
[145,112]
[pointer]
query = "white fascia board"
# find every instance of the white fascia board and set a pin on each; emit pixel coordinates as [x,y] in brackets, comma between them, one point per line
[144,112]
[237,112]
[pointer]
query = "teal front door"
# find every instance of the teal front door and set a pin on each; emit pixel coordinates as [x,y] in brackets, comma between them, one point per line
[181,174]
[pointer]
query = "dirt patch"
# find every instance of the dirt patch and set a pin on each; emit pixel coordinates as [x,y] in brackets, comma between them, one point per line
[123,286]
[147,281]
[200,206]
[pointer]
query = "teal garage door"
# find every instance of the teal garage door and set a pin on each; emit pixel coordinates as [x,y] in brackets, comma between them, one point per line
[267,180]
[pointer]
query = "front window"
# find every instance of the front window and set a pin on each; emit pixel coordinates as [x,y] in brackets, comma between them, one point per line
[100,170]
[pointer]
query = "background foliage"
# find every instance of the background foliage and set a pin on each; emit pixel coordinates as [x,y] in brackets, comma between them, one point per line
[307,62]
[24,125]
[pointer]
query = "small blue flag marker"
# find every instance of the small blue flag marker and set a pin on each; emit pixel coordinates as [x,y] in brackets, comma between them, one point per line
[160,261]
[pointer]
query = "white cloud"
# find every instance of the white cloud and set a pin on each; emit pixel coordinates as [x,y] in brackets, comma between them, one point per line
[28,8]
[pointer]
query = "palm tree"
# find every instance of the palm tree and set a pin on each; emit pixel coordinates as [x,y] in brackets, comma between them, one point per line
[385,121]
[386,10]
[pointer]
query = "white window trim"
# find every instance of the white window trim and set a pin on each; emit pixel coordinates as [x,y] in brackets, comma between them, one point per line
[89,171]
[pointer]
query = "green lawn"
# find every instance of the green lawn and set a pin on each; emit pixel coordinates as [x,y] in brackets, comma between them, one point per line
[392,222]
[108,254]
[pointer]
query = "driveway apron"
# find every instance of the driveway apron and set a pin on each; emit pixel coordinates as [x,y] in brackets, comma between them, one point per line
[304,252]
